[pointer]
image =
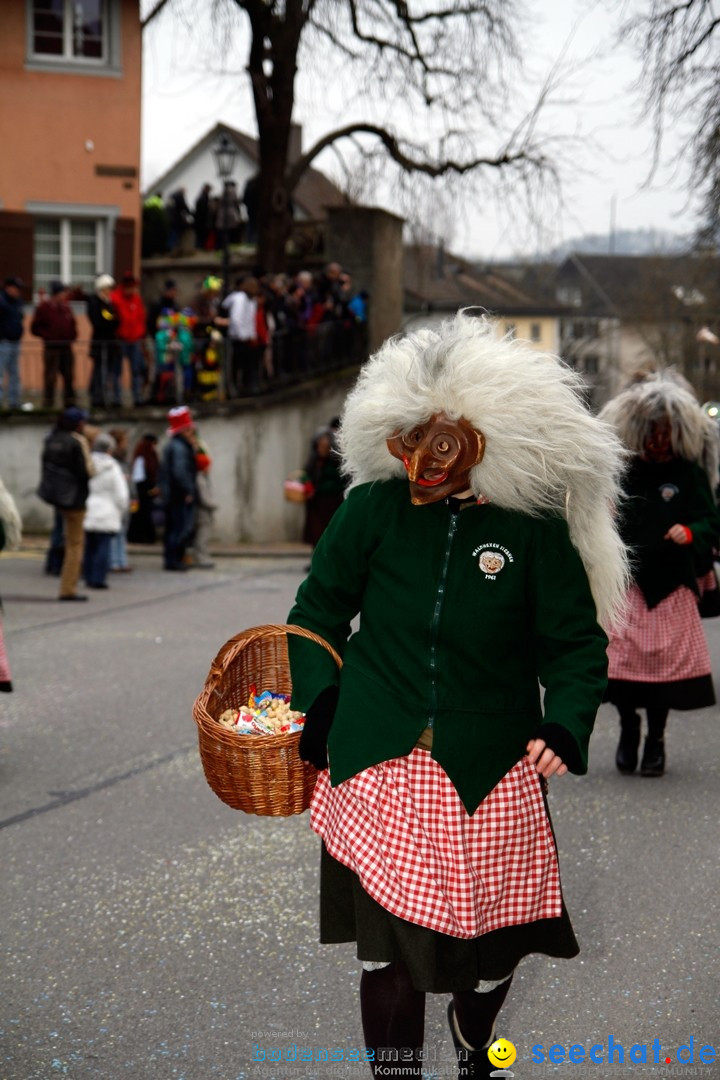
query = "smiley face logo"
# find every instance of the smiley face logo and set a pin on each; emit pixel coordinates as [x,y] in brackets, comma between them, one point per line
[502,1053]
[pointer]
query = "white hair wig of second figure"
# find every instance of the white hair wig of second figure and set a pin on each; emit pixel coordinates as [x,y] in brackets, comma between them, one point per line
[666,395]
[544,450]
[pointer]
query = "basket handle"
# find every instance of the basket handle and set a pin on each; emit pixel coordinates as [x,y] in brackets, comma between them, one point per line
[232,647]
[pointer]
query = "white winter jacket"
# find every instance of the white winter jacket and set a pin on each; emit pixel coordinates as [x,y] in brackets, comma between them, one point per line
[109,495]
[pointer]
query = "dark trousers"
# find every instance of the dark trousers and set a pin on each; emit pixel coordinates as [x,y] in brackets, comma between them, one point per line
[246,359]
[96,560]
[58,360]
[105,380]
[178,530]
[141,529]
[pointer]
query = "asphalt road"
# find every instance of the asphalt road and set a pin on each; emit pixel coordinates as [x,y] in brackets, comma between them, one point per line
[149,931]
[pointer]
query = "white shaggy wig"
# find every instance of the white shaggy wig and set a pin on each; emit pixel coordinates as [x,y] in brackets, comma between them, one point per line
[544,450]
[666,395]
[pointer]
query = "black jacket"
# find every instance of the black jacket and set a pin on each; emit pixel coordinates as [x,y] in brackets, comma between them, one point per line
[11,317]
[660,495]
[64,478]
[103,317]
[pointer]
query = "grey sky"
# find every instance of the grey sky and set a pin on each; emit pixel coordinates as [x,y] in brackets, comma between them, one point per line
[610,155]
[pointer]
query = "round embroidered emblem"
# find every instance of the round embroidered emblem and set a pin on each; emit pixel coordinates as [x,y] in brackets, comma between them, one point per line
[491,562]
[668,491]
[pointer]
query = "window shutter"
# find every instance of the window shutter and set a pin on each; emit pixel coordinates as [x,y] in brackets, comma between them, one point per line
[16,247]
[124,247]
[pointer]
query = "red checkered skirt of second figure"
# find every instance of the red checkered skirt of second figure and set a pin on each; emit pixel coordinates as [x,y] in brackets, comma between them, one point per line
[401,827]
[5,683]
[661,644]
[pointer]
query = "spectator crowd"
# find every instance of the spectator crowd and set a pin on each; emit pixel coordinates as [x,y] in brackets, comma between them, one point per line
[212,221]
[102,497]
[268,330]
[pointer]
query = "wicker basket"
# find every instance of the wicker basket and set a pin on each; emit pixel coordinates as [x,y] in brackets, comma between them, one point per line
[297,488]
[260,774]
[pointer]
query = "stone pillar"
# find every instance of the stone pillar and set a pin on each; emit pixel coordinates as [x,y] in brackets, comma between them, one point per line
[368,243]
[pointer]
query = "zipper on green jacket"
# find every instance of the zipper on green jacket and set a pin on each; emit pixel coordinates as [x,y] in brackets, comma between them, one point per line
[435,623]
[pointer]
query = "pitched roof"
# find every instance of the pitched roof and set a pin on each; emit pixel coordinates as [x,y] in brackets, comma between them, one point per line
[313,193]
[643,286]
[437,279]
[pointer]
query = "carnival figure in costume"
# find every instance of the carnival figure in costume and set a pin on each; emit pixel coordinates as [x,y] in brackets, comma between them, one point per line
[477,544]
[659,659]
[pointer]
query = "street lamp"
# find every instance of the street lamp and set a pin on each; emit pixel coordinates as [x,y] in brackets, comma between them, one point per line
[225,152]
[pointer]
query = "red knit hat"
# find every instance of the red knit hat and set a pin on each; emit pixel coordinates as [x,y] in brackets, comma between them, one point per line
[179,420]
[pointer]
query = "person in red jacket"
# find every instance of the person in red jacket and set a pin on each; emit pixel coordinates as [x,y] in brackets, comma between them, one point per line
[131,334]
[54,322]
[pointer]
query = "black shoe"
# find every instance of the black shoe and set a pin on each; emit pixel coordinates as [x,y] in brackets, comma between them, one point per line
[176,566]
[653,759]
[626,756]
[100,585]
[472,1064]
[76,597]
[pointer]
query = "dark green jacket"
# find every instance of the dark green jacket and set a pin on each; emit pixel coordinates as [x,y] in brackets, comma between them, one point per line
[443,643]
[659,495]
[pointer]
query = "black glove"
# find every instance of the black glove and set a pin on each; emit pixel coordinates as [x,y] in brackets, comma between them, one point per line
[318,721]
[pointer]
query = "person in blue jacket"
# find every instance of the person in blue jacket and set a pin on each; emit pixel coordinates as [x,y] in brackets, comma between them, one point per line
[178,471]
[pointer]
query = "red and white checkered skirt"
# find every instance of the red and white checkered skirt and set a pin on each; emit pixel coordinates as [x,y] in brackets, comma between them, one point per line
[401,827]
[662,644]
[708,583]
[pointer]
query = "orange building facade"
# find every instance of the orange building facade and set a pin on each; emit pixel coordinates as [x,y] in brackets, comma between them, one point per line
[70,84]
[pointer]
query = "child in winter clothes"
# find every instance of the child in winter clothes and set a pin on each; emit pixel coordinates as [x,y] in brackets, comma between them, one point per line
[205,507]
[108,499]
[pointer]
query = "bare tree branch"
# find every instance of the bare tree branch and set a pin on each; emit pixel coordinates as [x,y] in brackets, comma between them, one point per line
[448,58]
[405,161]
[680,78]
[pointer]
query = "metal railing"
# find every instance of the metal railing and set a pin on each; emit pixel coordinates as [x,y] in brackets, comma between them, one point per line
[293,357]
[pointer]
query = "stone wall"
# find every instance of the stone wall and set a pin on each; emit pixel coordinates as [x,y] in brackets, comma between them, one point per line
[367,242]
[253,449]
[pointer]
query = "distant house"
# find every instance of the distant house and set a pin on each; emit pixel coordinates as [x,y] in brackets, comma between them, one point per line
[626,312]
[313,194]
[437,284]
[70,78]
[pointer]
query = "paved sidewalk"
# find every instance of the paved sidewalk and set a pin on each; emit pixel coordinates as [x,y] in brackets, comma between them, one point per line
[281,549]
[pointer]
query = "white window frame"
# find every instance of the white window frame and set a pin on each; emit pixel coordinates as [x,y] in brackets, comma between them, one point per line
[108,64]
[104,218]
[569,295]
